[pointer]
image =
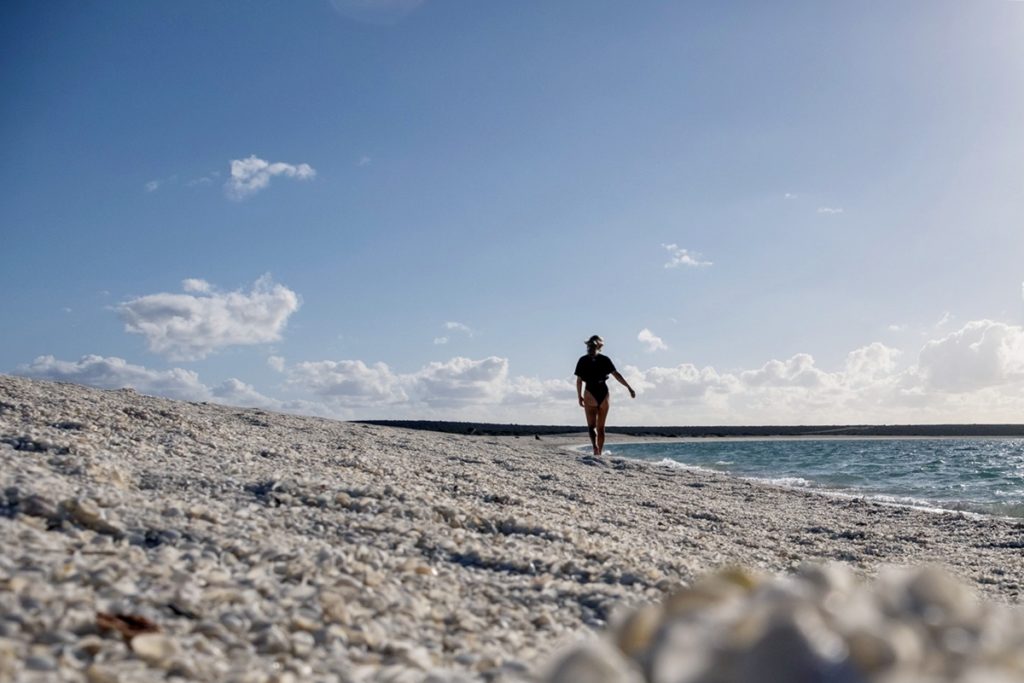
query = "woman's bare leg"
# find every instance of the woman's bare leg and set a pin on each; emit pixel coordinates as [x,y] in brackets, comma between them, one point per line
[592,410]
[602,416]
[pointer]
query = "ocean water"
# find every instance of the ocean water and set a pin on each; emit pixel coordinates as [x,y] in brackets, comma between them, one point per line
[977,475]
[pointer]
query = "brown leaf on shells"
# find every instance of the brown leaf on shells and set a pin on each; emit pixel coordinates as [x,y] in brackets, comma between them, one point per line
[128,625]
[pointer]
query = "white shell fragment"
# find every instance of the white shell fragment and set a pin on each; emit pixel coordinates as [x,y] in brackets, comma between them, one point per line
[154,648]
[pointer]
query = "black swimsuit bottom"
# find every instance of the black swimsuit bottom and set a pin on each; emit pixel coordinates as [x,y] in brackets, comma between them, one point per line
[599,390]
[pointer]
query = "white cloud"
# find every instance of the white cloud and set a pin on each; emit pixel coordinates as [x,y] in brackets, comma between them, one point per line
[683,257]
[116,373]
[461,379]
[790,195]
[981,354]
[364,161]
[235,392]
[153,185]
[249,176]
[191,326]
[896,327]
[653,342]
[684,383]
[798,371]
[829,210]
[348,381]
[946,318]
[871,363]
[353,382]
[195,285]
[276,363]
[440,340]
[459,327]
[543,394]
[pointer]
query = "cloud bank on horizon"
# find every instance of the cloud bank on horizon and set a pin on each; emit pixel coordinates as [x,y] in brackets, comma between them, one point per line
[974,373]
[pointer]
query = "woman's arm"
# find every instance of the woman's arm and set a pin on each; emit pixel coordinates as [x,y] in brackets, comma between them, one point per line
[579,389]
[623,382]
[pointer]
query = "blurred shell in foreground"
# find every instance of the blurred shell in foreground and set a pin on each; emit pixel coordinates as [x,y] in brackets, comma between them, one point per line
[820,625]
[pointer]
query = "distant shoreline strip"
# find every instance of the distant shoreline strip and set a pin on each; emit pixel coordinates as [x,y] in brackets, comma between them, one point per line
[895,431]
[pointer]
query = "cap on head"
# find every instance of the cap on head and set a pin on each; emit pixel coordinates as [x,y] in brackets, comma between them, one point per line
[595,342]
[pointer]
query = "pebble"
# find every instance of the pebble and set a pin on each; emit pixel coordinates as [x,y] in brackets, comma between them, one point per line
[155,648]
[40,663]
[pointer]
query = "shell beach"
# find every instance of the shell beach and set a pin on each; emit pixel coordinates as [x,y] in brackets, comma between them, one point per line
[149,539]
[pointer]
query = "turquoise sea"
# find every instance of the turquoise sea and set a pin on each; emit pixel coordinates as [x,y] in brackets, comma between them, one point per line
[977,475]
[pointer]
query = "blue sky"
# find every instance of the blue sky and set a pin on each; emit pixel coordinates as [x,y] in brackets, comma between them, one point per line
[773,212]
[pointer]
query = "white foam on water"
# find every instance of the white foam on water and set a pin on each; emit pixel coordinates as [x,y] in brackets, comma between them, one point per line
[801,483]
[676,465]
[797,482]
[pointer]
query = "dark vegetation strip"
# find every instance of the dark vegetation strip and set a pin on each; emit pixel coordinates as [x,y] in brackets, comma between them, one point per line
[493,429]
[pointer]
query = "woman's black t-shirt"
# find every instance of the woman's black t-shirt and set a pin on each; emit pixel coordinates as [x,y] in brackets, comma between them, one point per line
[594,370]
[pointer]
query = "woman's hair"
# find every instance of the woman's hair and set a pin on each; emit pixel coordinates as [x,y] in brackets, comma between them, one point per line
[595,342]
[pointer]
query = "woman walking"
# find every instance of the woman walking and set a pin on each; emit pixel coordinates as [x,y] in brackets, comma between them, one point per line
[592,370]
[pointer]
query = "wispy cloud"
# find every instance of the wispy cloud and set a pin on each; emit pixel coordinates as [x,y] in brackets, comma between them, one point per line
[364,161]
[156,184]
[459,327]
[896,327]
[830,210]
[440,340]
[790,195]
[249,176]
[204,180]
[683,257]
[653,342]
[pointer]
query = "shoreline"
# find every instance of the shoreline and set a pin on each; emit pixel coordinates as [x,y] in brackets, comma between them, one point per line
[270,542]
[932,507]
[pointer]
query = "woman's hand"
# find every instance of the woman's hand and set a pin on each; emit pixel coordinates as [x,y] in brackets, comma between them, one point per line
[632,394]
